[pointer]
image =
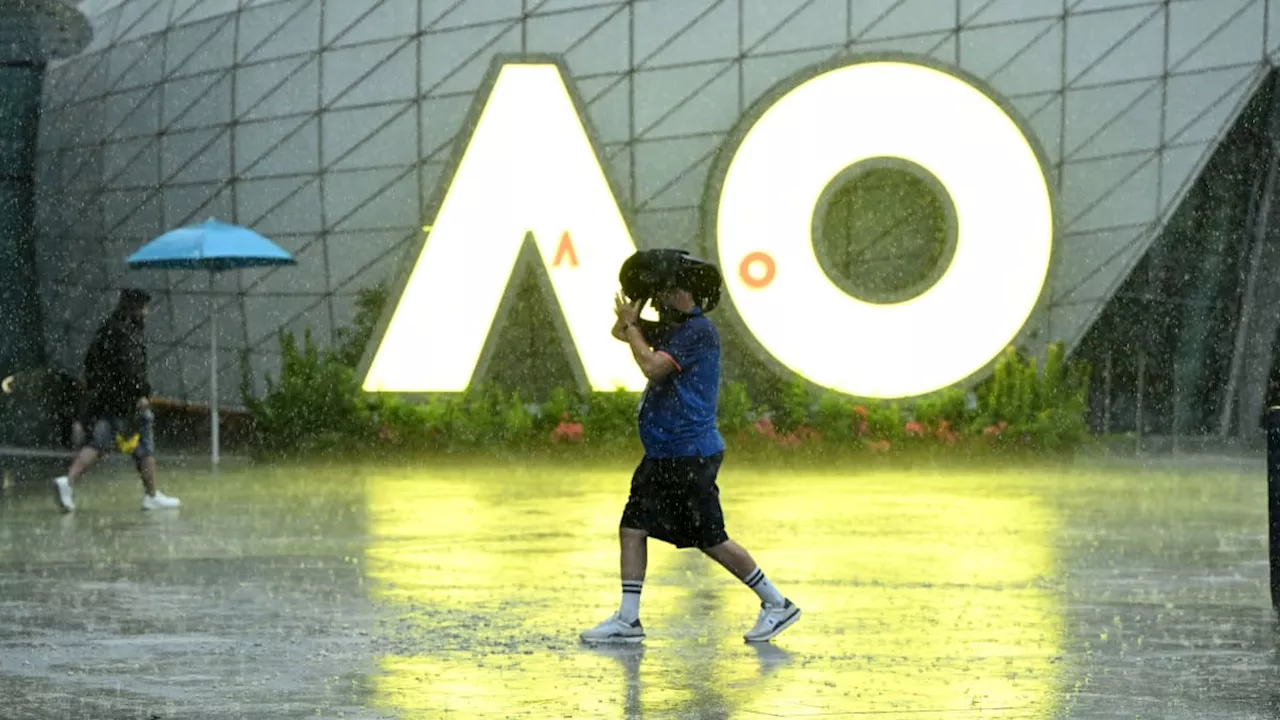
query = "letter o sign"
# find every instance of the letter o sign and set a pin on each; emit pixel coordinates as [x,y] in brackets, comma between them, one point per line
[796,147]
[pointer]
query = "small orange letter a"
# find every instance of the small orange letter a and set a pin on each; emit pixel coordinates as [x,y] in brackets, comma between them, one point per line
[566,248]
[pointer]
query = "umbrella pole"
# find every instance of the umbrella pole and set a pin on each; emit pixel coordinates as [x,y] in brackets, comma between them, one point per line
[213,371]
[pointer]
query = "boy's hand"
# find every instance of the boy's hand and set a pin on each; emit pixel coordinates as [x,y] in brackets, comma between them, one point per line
[627,312]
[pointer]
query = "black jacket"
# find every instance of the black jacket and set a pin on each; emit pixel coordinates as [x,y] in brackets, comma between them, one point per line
[115,369]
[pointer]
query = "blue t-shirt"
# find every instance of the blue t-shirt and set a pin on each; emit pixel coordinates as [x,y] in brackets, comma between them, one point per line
[678,412]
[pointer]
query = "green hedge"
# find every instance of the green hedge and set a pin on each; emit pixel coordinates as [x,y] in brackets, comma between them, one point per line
[317,405]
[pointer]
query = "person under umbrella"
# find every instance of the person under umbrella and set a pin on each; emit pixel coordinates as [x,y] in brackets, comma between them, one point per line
[116,407]
[214,247]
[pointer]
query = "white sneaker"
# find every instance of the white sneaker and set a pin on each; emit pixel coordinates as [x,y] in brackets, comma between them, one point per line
[773,619]
[159,501]
[615,630]
[62,493]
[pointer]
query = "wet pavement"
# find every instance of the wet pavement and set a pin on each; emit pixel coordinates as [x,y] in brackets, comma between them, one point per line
[458,591]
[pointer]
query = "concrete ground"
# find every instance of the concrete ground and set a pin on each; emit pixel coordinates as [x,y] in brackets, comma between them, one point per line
[1094,591]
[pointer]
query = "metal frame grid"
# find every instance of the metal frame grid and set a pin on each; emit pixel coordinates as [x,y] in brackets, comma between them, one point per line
[326,124]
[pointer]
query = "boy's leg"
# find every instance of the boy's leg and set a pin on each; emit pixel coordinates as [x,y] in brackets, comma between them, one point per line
[633,551]
[735,558]
[714,540]
[777,613]
[624,625]
[634,544]
[638,516]
[732,557]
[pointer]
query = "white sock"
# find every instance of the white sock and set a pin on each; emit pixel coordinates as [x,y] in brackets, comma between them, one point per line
[630,610]
[768,594]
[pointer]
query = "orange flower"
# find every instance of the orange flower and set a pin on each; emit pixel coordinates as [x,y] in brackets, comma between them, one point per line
[945,433]
[567,432]
[764,426]
[880,446]
[860,410]
[914,428]
[804,432]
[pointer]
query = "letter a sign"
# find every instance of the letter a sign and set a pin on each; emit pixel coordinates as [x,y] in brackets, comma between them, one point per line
[528,170]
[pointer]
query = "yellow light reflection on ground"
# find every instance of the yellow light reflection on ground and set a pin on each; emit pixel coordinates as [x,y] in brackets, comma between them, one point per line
[920,595]
[940,590]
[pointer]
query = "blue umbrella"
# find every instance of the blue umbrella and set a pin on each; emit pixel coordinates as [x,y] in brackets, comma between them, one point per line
[213,246]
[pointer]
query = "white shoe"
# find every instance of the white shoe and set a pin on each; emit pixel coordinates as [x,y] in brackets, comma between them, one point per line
[62,493]
[615,630]
[159,501]
[773,619]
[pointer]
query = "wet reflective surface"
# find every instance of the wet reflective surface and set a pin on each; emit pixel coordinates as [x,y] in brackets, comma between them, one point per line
[458,591]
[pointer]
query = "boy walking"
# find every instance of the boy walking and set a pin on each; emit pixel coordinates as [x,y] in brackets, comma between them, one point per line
[674,497]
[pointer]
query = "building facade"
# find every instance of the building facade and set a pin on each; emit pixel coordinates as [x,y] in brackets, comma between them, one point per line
[328,125]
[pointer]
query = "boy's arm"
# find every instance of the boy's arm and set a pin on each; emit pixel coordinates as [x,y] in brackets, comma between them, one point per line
[654,364]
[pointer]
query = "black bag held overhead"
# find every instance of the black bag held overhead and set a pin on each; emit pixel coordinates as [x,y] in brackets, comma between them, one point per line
[649,272]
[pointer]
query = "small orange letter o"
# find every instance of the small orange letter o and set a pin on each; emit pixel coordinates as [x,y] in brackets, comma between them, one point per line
[763,278]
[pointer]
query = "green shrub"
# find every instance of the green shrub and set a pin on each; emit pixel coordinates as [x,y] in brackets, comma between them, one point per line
[791,405]
[1023,409]
[736,411]
[517,421]
[350,343]
[835,416]
[611,414]
[316,404]
[316,396]
[885,421]
[402,424]
[949,405]
[562,405]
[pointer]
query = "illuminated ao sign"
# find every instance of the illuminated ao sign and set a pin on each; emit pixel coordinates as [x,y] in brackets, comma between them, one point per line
[530,170]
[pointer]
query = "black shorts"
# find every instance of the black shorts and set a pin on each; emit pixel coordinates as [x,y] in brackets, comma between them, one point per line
[676,500]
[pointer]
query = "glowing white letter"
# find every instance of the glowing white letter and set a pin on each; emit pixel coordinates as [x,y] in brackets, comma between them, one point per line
[529,168]
[776,178]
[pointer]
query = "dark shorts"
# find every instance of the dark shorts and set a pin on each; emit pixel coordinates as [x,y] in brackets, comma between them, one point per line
[676,500]
[109,433]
